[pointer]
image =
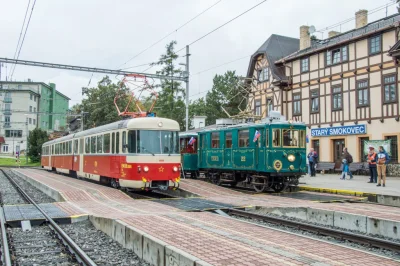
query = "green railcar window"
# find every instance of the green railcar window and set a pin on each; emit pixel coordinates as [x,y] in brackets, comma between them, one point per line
[276,138]
[228,140]
[215,140]
[244,138]
[266,138]
[302,138]
[290,138]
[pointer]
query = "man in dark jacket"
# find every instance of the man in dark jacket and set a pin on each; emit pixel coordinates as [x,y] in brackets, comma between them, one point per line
[346,161]
[312,160]
[372,158]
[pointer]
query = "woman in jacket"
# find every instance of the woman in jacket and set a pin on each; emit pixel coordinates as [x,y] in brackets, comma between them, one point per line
[383,159]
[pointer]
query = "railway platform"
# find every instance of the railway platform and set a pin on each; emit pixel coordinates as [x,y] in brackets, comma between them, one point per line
[167,235]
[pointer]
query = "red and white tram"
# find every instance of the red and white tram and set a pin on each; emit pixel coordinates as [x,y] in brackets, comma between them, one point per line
[139,153]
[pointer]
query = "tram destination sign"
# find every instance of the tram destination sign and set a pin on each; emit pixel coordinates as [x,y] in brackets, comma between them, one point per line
[339,131]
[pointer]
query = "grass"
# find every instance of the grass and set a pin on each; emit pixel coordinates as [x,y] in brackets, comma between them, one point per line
[12,162]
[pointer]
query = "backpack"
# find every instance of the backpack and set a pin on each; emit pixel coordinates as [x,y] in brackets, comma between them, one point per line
[350,159]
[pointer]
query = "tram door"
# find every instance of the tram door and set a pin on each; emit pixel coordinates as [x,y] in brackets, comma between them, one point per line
[259,138]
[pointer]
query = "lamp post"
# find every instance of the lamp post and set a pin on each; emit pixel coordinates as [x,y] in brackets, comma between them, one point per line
[27,133]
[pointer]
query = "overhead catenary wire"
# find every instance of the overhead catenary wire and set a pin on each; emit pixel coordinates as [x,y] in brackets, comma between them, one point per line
[169,34]
[23,39]
[22,29]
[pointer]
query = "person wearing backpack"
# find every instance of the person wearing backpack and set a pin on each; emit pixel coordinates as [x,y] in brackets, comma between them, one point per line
[312,161]
[383,159]
[347,159]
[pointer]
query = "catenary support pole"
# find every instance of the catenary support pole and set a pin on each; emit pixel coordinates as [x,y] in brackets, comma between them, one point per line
[187,87]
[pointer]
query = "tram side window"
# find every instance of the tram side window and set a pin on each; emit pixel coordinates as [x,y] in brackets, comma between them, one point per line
[64,148]
[276,138]
[244,138]
[203,141]
[52,149]
[81,146]
[70,147]
[100,144]
[215,140]
[106,143]
[302,138]
[228,140]
[132,141]
[75,146]
[290,138]
[117,143]
[87,145]
[267,138]
[113,143]
[124,146]
[93,145]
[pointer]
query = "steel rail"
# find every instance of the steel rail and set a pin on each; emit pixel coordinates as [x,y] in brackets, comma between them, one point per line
[357,238]
[80,255]
[6,258]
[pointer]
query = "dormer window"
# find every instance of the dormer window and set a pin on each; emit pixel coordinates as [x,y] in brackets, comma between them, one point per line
[263,74]
[336,56]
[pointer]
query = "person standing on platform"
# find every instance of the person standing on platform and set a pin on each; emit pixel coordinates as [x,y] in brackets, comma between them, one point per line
[372,158]
[383,159]
[312,160]
[347,159]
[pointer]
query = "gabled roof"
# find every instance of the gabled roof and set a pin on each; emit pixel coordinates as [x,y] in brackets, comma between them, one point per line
[274,48]
[369,29]
[395,50]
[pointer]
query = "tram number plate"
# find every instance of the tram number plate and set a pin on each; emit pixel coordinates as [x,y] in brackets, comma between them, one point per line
[242,158]
[214,158]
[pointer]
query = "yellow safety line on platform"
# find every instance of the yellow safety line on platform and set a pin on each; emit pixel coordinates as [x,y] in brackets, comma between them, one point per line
[78,215]
[337,191]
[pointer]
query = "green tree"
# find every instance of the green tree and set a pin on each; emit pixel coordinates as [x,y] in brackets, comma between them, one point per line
[171,94]
[35,141]
[226,93]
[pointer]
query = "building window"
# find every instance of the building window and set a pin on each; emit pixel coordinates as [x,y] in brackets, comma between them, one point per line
[263,74]
[337,55]
[362,93]
[315,145]
[375,44]
[30,121]
[389,83]
[34,98]
[257,107]
[13,133]
[5,148]
[7,120]
[305,62]
[34,109]
[30,109]
[34,121]
[394,158]
[337,98]
[363,157]
[296,104]
[30,96]
[20,87]
[314,101]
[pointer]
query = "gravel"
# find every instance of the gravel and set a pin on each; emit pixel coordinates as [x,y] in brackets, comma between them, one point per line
[9,194]
[378,251]
[101,248]
[37,195]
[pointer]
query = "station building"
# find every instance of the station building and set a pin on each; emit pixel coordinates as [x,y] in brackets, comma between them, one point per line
[345,88]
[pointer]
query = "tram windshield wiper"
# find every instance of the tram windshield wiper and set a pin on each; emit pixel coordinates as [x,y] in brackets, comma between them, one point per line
[152,153]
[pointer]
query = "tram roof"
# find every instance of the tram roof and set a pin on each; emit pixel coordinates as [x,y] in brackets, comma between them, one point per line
[141,123]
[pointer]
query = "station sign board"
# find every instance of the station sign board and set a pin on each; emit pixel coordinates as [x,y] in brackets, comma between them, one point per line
[339,131]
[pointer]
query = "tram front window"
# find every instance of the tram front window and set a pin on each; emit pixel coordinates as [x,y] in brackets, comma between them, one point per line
[290,138]
[153,142]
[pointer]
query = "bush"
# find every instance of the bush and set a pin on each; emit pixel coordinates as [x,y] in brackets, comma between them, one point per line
[35,141]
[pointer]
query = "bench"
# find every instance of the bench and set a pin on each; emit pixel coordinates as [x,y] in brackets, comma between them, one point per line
[338,167]
[356,168]
[324,166]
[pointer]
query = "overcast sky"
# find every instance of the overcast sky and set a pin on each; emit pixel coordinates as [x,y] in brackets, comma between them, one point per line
[106,33]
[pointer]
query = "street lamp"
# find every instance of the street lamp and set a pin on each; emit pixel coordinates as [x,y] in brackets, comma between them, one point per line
[27,133]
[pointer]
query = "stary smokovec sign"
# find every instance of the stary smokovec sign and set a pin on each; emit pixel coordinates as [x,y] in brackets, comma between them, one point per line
[339,131]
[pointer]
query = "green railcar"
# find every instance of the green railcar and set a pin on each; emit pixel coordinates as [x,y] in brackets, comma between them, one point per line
[188,146]
[265,156]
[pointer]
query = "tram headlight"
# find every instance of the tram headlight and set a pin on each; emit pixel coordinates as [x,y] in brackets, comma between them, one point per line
[175,169]
[146,169]
[291,167]
[291,158]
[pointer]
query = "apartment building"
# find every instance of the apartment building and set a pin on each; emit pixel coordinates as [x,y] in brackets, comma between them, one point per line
[345,88]
[26,106]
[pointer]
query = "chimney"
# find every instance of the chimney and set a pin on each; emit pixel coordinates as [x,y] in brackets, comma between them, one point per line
[361,18]
[305,40]
[333,33]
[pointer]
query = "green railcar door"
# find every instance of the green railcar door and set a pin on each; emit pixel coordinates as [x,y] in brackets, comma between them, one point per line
[243,151]
[260,148]
[228,150]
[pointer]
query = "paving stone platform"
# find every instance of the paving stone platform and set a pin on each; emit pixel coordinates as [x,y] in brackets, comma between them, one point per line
[214,239]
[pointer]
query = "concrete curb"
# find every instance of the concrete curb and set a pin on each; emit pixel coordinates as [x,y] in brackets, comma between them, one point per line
[52,193]
[354,222]
[145,246]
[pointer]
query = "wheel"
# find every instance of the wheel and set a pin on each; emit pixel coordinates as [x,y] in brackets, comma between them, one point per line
[114,183]
[261,186]
[234,184]
[279,186]
[215,179]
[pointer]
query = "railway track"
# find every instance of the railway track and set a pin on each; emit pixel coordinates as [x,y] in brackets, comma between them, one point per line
[320,230]
[46,245]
